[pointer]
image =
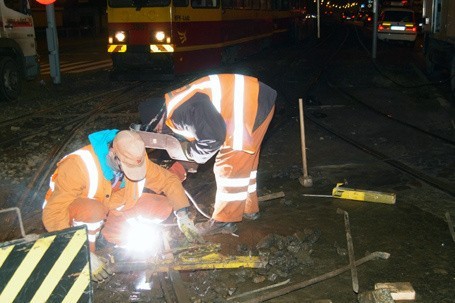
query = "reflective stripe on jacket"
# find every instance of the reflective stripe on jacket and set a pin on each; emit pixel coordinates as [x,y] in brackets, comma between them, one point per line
[235,98]
[79,175]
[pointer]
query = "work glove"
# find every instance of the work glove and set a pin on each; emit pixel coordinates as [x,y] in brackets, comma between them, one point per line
[99,268]
[178,169]
[186,226]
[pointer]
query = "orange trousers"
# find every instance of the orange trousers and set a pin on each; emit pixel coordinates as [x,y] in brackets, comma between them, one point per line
[235,173]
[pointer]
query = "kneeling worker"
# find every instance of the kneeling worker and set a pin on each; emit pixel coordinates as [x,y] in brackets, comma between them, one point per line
[109,184]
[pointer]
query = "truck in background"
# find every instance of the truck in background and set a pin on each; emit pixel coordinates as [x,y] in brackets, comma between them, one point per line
[18,55]
[439,37]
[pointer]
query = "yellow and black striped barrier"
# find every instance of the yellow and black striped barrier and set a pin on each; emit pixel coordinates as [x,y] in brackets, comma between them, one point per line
[54,268]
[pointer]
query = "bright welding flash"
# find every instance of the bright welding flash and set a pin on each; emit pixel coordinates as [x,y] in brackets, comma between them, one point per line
[142,237]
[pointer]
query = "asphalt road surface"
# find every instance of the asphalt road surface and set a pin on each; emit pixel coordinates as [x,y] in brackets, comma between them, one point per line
[379,125]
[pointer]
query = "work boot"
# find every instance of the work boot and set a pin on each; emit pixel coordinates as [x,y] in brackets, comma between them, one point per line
[253,216]
[212,227]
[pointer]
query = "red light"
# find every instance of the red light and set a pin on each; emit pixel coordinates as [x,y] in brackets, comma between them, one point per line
[45,2]
[380,27]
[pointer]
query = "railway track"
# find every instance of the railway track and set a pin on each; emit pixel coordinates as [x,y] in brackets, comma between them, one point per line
[55,136]
[293,78]
[429,163]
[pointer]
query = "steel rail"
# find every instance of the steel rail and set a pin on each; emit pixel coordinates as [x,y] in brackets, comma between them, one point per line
[371,108]
[15,138]
[42,174]
[446,187]
[54,108]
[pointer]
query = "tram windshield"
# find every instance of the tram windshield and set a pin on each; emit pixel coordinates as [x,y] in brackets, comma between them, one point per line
[138,4]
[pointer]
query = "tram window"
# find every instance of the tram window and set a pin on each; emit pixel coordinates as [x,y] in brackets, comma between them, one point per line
[180,3]
[226,3]
[239,4]
[204,3]
[138,3]
[276,4]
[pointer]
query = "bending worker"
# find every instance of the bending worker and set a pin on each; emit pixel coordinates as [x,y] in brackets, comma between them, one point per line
[228,113]
[109,186]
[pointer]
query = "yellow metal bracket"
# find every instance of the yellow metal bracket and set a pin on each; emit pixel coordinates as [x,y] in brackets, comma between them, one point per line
[204,257]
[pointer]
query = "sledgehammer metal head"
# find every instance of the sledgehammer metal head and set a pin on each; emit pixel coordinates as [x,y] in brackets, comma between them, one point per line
[306,181]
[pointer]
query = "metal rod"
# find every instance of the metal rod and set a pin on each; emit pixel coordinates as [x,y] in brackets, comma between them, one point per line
[19,216]
[354,277]
[320,196]
[326,276]
[258,290]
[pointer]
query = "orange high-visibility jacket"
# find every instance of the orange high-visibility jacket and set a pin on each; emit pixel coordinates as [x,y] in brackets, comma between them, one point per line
[219,111]
[79,175]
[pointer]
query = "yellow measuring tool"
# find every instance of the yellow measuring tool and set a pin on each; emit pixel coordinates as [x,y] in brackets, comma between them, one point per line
[362,195]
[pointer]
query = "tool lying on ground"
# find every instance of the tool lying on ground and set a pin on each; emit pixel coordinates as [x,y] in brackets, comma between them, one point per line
[303,284]
[204,256]
[362,195]
[305,180]
[342,192]
[354,278]
[271,196]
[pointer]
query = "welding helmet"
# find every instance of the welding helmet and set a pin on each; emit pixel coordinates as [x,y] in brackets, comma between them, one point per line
[152,113]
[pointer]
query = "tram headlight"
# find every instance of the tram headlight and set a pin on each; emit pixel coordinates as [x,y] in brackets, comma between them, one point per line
[160,36]
[120,36]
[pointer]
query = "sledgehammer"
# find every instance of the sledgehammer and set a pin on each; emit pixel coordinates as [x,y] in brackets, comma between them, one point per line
[305,180]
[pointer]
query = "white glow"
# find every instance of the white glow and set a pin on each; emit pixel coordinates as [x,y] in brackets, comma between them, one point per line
[120,36]
[142,284]
[160,36]
[142,237]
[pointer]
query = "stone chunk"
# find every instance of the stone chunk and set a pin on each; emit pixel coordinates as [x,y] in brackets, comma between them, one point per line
[376,296]
[398,290]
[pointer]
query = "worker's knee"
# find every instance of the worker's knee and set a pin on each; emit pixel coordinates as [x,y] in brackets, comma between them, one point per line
[87,210]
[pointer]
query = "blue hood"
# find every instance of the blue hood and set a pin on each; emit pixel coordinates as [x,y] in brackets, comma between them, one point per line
[100,142]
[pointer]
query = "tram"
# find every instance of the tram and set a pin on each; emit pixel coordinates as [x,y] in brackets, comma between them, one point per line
[170,37]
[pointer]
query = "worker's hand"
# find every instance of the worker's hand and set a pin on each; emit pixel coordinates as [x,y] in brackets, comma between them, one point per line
[178,169]
[99,268]
[186,226]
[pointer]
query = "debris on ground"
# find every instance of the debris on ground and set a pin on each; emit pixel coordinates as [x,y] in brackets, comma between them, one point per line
[287,256]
